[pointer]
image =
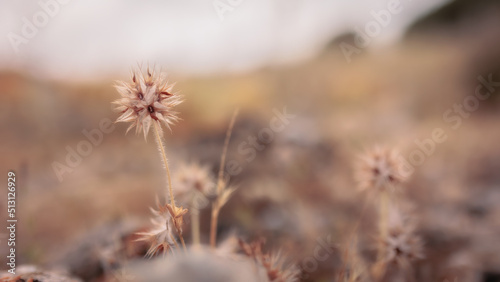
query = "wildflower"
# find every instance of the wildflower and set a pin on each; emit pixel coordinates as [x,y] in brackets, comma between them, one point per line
[193,184]
[273,264]
[160,236]
[146,102]
[402,245]
[149,98]
[379,170]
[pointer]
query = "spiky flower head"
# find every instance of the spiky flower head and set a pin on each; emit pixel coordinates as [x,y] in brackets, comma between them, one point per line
[194,184]
[273,264]
[379,169]
[147,99]
[402,245]
[160,236]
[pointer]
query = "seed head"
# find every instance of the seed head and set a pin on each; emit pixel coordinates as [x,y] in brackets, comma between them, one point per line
[273,264]
[193,183]
[147,99]
[402,244]
[160,235]
[379,169]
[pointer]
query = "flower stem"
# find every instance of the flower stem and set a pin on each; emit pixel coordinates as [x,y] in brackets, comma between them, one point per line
[213,225]
[383,214]
[182,242]
[195,225]
[175,242]
[165,161]
[216,206]
[380,265]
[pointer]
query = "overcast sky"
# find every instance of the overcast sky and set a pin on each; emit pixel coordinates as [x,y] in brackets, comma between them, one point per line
[91,38]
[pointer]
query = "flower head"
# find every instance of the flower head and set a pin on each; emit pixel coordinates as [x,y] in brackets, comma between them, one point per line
[193,183]
[147,99]
[160,235]
[273,264]
[402,244]
[379,169]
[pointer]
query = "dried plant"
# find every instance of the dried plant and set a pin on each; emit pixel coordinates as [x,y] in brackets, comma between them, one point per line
[402,244]
[273,264]
[353,268]
[194,185]
[193,181]
[379,170]
[149,100]
[160,236]
[223,191]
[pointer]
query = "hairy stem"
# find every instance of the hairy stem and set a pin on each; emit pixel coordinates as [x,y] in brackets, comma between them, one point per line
[169,179]
[159,142]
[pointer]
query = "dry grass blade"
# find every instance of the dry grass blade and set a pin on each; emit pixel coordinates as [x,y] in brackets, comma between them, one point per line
[221,185]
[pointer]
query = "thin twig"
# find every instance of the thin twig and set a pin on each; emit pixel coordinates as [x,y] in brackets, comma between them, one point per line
[380,265]
[213,225]
[173,239]
[224,152]
[195,225]
[182,242]
[220,181]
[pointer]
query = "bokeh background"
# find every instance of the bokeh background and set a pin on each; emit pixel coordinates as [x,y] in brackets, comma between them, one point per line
[258,56]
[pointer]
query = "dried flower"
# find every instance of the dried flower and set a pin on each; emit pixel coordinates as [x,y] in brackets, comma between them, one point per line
[379,169]
[223,191]
[273,264]
[149,98]
[160,236]
[193,184]
[177,213]
[402,245]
